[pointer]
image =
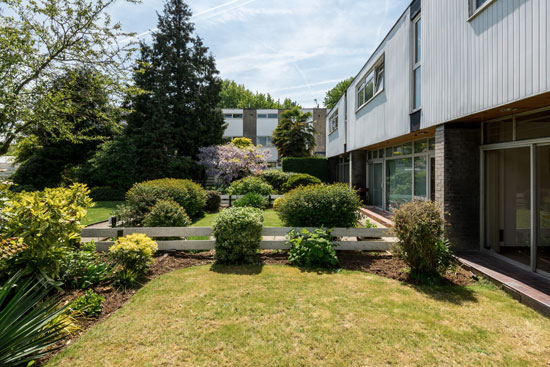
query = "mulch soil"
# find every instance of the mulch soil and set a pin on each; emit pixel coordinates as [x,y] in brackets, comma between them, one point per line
[379,263]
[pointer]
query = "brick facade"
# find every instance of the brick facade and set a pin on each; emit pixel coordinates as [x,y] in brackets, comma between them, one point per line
[457,180]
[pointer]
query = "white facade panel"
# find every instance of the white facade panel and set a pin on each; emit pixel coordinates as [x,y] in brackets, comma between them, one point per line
[234,127]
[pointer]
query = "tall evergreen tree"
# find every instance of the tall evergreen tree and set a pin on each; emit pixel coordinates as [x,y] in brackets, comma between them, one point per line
[176,114]
[294,136]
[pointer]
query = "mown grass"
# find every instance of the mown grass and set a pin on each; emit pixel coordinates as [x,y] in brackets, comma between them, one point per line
[284,316]
[102,210]
[271,219]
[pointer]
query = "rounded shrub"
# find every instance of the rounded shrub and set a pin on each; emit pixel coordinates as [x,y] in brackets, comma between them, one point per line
[133,252]
[319,206]
[300,179]
[142,197]
[252,200]
[238,233]
[312,249]
[213,201]
[249,184]
[275,178]
[167,213]
[419,227]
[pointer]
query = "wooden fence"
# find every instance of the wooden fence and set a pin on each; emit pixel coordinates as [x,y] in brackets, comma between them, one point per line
[227,200]
[274,238]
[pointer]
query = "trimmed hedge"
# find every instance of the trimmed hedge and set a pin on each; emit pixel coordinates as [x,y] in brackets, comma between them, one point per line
[300,179]
[315,166]
[238,233]
[275,178]
[106,193]
[252,200]
[249,184]
[213,201]
[326,206]
[167,213]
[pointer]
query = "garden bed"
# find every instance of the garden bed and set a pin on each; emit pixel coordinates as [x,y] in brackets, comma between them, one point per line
[379,263]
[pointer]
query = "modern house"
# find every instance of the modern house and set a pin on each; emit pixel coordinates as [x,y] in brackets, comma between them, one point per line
[454,106]
[258,125]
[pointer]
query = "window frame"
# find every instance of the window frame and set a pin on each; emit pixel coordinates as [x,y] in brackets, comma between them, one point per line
[474,10]
[416,61]
[333,122]
[375,72]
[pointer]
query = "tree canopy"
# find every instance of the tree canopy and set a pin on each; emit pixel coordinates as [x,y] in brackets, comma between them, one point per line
[294,136]
[39,41]
[333,96]
[235,95]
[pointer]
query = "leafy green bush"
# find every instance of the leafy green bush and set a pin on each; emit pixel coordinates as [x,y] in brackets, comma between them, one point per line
[252,200]
[419,226]
[300,179]
[134,254]
[142,197]
[213,201]
[319,206]
[238,233]
[31,323]
[312,249]
[82,268]
[106,193]
[48,224]
[89,304]
[167,213]
[315,166]
[249,184]
[275,178]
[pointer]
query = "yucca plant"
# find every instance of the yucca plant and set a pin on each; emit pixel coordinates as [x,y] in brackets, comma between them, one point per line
[30,323]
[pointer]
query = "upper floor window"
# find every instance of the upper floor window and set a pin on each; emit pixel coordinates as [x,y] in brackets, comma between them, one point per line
[265,141]
[333,122]
[268,116]
[417,64]
[371,84]
[233,116]
[262,115]
[476,5]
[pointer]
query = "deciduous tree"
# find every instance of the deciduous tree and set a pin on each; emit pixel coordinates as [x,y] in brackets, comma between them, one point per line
[333,96]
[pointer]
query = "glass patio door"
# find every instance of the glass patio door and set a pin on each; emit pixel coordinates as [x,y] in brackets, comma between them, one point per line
[376,184]
[508,204]
[542,257]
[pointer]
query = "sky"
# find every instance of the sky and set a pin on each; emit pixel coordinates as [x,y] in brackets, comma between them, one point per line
[289,48]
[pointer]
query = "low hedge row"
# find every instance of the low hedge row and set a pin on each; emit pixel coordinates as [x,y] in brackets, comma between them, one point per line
[315,166]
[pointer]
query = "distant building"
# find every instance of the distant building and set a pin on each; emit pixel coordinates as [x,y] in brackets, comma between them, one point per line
[258,126]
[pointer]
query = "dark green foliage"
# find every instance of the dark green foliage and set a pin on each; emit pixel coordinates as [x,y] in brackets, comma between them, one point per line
[312,249]
[315,166]
[238,233]
[30,322]
[213,201]
[326,206]
[275,178]
[249,184]
[300,179]
[235,95]
[142,197]
[333,96]
[84,118]
[83,268]
[88,305]
[294,136]
[167,213]
[419,226]
[253,200]
[178,112]
[107,193]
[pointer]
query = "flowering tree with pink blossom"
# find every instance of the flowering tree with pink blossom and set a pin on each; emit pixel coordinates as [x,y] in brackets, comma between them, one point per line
[229,162]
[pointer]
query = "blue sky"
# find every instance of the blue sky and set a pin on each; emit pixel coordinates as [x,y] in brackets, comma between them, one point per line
[289,48]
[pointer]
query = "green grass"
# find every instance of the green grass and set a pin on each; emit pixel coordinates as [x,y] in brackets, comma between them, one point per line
[284,316]
[102,210]
[271,219]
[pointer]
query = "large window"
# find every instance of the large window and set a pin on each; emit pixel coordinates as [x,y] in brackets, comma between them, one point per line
[372,84]
[515,128]
[398,182]
[417,65]
[265,141]
[333,122]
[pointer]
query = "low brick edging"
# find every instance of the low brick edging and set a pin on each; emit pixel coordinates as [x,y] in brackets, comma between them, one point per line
[375,214]
[518,290]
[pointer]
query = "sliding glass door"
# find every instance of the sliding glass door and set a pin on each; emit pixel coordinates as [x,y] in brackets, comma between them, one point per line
[376,188]
[543,208]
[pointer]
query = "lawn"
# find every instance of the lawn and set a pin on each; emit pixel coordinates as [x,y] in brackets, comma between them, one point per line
[102,210]
[271,219]
[283,316]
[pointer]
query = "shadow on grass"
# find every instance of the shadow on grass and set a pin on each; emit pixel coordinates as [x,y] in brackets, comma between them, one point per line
[317,270]
[447,293]
[237,269]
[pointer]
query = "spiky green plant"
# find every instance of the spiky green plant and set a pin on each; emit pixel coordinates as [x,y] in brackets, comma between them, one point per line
[30,322]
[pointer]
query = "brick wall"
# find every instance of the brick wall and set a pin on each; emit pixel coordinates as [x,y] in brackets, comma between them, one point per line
[457,181]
